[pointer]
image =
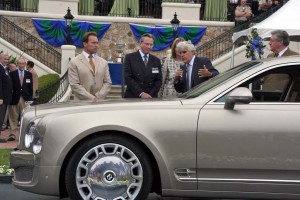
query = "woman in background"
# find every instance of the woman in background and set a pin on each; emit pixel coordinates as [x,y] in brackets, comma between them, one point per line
[169,69]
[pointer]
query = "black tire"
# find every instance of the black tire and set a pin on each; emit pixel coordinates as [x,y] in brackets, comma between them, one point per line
[100,167]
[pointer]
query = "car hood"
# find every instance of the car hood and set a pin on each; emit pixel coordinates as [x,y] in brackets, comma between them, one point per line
[121,104]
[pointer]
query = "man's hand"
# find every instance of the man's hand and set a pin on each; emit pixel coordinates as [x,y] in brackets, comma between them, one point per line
[96,99]
[204,72]
[146,96]
[1,101]
[178,73]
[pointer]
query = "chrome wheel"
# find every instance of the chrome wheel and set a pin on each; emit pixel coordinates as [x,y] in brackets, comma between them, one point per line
[110,167]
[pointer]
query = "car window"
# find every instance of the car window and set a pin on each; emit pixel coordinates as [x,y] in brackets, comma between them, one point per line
[221,78]
[276,85]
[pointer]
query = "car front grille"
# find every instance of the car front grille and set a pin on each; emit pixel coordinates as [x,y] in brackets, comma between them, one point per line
[23,174]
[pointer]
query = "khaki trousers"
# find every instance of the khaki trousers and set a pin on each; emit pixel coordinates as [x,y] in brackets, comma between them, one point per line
[14,111]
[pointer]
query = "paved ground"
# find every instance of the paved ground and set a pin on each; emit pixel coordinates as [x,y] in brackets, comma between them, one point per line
[8,145]
[9,192]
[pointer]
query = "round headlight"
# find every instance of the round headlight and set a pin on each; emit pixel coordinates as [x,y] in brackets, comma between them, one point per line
[37,146]
[29,134]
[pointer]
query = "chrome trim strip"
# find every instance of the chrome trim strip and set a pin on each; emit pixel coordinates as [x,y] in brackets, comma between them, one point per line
[232,180]
[247,180]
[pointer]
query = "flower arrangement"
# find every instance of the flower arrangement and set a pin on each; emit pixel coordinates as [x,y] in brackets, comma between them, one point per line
[254,45]
[5,170]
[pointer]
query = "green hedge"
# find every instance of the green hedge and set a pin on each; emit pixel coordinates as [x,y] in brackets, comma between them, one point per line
[48,86]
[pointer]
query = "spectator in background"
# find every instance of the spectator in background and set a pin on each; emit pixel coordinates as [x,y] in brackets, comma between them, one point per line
[142,71]
[169,69]
[6,89]
[35,78]
[243,12]
[264,5]
[232,6]
[195,71]
[10,68]
[22,92]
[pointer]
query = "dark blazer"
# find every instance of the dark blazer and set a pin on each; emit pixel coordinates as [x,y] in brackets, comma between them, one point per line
[181,85]
[288,52]
[25,90]
[6,88]
[140,78]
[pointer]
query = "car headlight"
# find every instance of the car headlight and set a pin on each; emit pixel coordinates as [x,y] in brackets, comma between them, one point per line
[30,133]
[37,145]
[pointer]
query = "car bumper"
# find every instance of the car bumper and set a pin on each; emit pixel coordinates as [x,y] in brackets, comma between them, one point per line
[31,177]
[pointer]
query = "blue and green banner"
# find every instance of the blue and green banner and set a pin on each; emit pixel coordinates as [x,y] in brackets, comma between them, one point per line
[164,34]
[54,32]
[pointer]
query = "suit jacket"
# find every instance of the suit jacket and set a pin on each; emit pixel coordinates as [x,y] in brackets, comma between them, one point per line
[84,82]
[25,90]
[6,88]
[140,78]
[277,81]
[181,84]
[288,52]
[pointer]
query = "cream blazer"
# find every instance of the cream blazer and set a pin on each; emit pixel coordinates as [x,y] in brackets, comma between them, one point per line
[86,84]
[35,81]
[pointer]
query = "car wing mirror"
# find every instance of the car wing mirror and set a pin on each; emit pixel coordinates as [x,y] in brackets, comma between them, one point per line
[241,95]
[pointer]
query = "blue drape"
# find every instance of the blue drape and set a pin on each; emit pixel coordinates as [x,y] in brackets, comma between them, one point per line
[54,32]
[164,34]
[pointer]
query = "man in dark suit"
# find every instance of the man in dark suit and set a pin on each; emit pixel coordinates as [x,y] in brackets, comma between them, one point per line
[22,92]
[5,89]
[142,71]
[195,69]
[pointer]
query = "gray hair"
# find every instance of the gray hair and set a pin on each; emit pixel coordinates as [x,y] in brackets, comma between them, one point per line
[186,45]
[282,36]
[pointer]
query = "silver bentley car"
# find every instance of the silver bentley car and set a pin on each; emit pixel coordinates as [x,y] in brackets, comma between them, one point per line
[234,136]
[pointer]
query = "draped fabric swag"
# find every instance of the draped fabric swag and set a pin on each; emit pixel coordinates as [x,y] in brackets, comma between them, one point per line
[54,31]
[164,34]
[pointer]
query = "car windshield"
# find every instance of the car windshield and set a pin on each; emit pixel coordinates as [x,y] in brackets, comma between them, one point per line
[211,83]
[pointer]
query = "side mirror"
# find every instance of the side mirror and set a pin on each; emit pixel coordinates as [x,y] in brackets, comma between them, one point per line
[240,95]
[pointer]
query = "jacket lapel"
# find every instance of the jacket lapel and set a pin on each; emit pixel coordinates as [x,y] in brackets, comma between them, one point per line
[86,63]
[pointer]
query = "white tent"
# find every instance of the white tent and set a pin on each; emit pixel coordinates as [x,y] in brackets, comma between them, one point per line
[286,18]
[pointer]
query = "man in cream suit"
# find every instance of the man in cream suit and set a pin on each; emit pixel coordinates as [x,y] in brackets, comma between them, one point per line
[88,73]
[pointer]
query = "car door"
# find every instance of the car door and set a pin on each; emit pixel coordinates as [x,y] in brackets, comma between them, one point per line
[254,147]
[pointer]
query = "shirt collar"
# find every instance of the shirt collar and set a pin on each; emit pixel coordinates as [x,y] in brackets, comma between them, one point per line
[191,63]
[86,55]
[282,51]
[142,54]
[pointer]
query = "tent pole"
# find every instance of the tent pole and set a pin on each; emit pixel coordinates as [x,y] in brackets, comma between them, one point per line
[232,57]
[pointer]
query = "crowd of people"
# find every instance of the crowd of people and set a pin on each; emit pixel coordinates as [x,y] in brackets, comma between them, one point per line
[244,10]
[19,83]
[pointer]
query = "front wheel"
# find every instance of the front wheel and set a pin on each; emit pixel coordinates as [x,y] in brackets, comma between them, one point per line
[109,167]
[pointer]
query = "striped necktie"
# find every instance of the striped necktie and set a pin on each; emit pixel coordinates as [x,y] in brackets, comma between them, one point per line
[145,60]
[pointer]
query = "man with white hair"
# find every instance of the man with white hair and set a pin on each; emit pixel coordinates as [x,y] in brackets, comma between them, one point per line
[195,70]
[6,89]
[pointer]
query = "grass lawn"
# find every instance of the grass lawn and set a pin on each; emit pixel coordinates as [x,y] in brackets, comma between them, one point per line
[4,156]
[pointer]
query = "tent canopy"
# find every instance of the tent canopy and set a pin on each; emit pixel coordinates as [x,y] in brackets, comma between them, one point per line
[286,18]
